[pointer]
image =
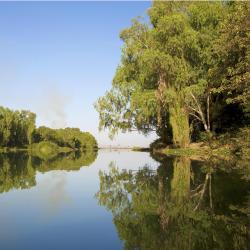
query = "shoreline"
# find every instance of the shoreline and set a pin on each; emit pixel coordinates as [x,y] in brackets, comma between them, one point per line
[198,151]
[202,153]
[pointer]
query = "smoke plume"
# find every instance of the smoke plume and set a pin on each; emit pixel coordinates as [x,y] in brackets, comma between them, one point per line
[52,107]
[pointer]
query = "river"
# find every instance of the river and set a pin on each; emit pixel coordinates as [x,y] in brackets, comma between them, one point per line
[123,200]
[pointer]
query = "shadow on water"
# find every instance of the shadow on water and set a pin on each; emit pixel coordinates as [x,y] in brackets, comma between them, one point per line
[18,170]
[183,204]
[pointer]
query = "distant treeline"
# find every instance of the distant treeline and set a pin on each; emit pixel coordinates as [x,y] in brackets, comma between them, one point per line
[18,129]
[67,137]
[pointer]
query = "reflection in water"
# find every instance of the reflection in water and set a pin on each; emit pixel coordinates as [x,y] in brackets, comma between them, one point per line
[53,190]
[181,205]
[18,170]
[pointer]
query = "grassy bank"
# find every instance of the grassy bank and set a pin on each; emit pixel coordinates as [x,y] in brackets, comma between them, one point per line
[197,151]
[226,146]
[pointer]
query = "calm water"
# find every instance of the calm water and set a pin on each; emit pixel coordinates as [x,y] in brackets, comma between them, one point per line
[123,200]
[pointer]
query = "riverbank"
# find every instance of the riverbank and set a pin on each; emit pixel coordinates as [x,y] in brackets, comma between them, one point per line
[225,146]
[196,151]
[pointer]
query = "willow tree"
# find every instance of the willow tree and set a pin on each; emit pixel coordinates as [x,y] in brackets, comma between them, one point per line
[172,35]
[199,27]
[130,104]
[165,80]
[16,127]
[147,89]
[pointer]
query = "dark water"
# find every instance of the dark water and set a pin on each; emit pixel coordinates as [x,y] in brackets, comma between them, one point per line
[123,200]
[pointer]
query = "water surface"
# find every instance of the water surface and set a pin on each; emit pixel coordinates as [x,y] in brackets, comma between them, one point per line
[122,199]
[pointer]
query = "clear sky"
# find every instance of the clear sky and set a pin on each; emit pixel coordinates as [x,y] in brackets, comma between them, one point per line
[57,58]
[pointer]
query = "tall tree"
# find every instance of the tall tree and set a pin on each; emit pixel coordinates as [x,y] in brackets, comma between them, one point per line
[186,67]
[149,80]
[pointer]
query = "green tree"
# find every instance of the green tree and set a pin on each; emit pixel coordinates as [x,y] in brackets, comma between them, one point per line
[163,76]
[185,70]
[73,138]
[231,54]
[16,127]
[149,81]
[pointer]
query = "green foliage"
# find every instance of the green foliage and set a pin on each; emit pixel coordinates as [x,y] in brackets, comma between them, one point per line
[180,124]
[237,140]
[18,129]
[72,138]
[232,56]
[187,68]
[205,136]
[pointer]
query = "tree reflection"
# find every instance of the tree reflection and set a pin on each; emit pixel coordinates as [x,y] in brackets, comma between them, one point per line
[18,170]
[177,206]
[68,162]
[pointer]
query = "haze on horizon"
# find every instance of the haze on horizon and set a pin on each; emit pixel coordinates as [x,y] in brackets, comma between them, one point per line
[58,58]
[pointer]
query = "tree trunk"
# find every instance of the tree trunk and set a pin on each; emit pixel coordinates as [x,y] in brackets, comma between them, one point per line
[198,113]
[164,134]
[162,119]
[179,120]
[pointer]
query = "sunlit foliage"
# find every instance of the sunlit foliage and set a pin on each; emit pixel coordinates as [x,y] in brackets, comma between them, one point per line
[18,129]
[184,72]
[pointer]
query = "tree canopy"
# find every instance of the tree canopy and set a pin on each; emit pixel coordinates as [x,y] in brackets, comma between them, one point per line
[185,69]
[16,127]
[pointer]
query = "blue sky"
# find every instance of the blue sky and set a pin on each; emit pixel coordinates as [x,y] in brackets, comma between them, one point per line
[58,58]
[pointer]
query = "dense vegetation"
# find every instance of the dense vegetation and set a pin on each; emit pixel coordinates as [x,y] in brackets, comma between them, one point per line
[18,129]
[68,137]
[184,75]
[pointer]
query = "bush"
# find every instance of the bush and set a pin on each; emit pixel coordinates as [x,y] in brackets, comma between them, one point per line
[205,136]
